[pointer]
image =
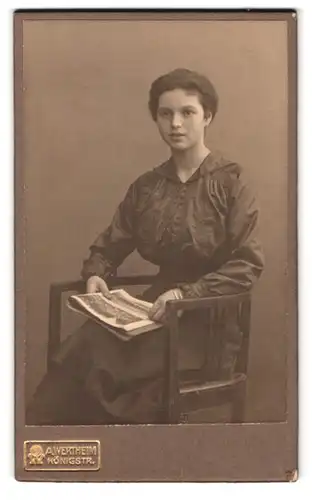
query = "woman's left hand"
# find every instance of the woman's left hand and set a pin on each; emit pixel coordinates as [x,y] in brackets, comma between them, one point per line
[158,311]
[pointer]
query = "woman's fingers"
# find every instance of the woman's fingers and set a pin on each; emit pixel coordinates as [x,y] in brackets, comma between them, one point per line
[91,286]
[153,309]
[151,314]
[159,317]
[96,284]
[104,289]
[157,311]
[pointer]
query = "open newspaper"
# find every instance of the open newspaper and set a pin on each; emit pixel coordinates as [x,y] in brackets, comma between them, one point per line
[123,314]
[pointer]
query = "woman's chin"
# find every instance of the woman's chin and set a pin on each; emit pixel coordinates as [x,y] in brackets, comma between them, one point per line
[176,146]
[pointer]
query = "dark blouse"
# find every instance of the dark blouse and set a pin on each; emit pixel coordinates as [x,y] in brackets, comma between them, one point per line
[202,233]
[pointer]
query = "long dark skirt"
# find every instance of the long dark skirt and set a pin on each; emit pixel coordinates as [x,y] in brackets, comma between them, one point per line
[98,378]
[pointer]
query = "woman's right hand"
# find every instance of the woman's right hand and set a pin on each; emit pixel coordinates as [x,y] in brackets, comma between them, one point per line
[97,284]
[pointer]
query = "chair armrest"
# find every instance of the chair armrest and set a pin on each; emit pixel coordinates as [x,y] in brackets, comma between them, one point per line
[206,302]
[67,286]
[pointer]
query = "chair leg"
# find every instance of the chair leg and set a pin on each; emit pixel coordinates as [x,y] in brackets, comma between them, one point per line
[171,414]
[238,404]
[165,417]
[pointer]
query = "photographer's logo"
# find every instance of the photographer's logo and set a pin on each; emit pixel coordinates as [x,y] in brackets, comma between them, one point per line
[61,455]
[36,455]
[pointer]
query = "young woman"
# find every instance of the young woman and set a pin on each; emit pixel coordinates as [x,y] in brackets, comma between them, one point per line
[195,217]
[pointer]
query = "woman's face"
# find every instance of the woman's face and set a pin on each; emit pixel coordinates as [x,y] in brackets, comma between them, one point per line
[181,120]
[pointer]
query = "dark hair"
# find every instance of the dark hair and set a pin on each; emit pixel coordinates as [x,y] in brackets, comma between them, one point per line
[185,79]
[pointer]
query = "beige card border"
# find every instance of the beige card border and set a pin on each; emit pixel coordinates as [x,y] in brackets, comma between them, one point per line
[200,452]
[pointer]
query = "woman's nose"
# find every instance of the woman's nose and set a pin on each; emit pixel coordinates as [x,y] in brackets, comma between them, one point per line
[176,120]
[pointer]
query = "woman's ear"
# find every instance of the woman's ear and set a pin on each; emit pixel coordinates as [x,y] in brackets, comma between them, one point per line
[208,118]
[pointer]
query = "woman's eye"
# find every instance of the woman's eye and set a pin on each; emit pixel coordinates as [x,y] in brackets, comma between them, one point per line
[187,112]
[164,113]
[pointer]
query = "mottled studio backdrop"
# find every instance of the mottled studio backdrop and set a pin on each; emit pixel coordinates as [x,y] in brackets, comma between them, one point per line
[87,135]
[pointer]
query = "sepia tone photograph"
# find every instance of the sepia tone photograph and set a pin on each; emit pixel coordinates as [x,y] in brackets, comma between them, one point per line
[156,239]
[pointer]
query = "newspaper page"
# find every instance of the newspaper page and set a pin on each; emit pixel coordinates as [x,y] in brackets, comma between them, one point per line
[120,311]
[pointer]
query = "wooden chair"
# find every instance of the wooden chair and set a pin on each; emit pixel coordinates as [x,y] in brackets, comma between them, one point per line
[182,395]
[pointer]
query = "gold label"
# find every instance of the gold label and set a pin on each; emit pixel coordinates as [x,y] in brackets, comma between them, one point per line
[62,455]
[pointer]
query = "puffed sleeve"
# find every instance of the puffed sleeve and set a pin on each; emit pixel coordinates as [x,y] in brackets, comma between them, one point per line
[113,245]
[245,261]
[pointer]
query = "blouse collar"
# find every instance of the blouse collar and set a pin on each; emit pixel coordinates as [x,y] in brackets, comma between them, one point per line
[210,163]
